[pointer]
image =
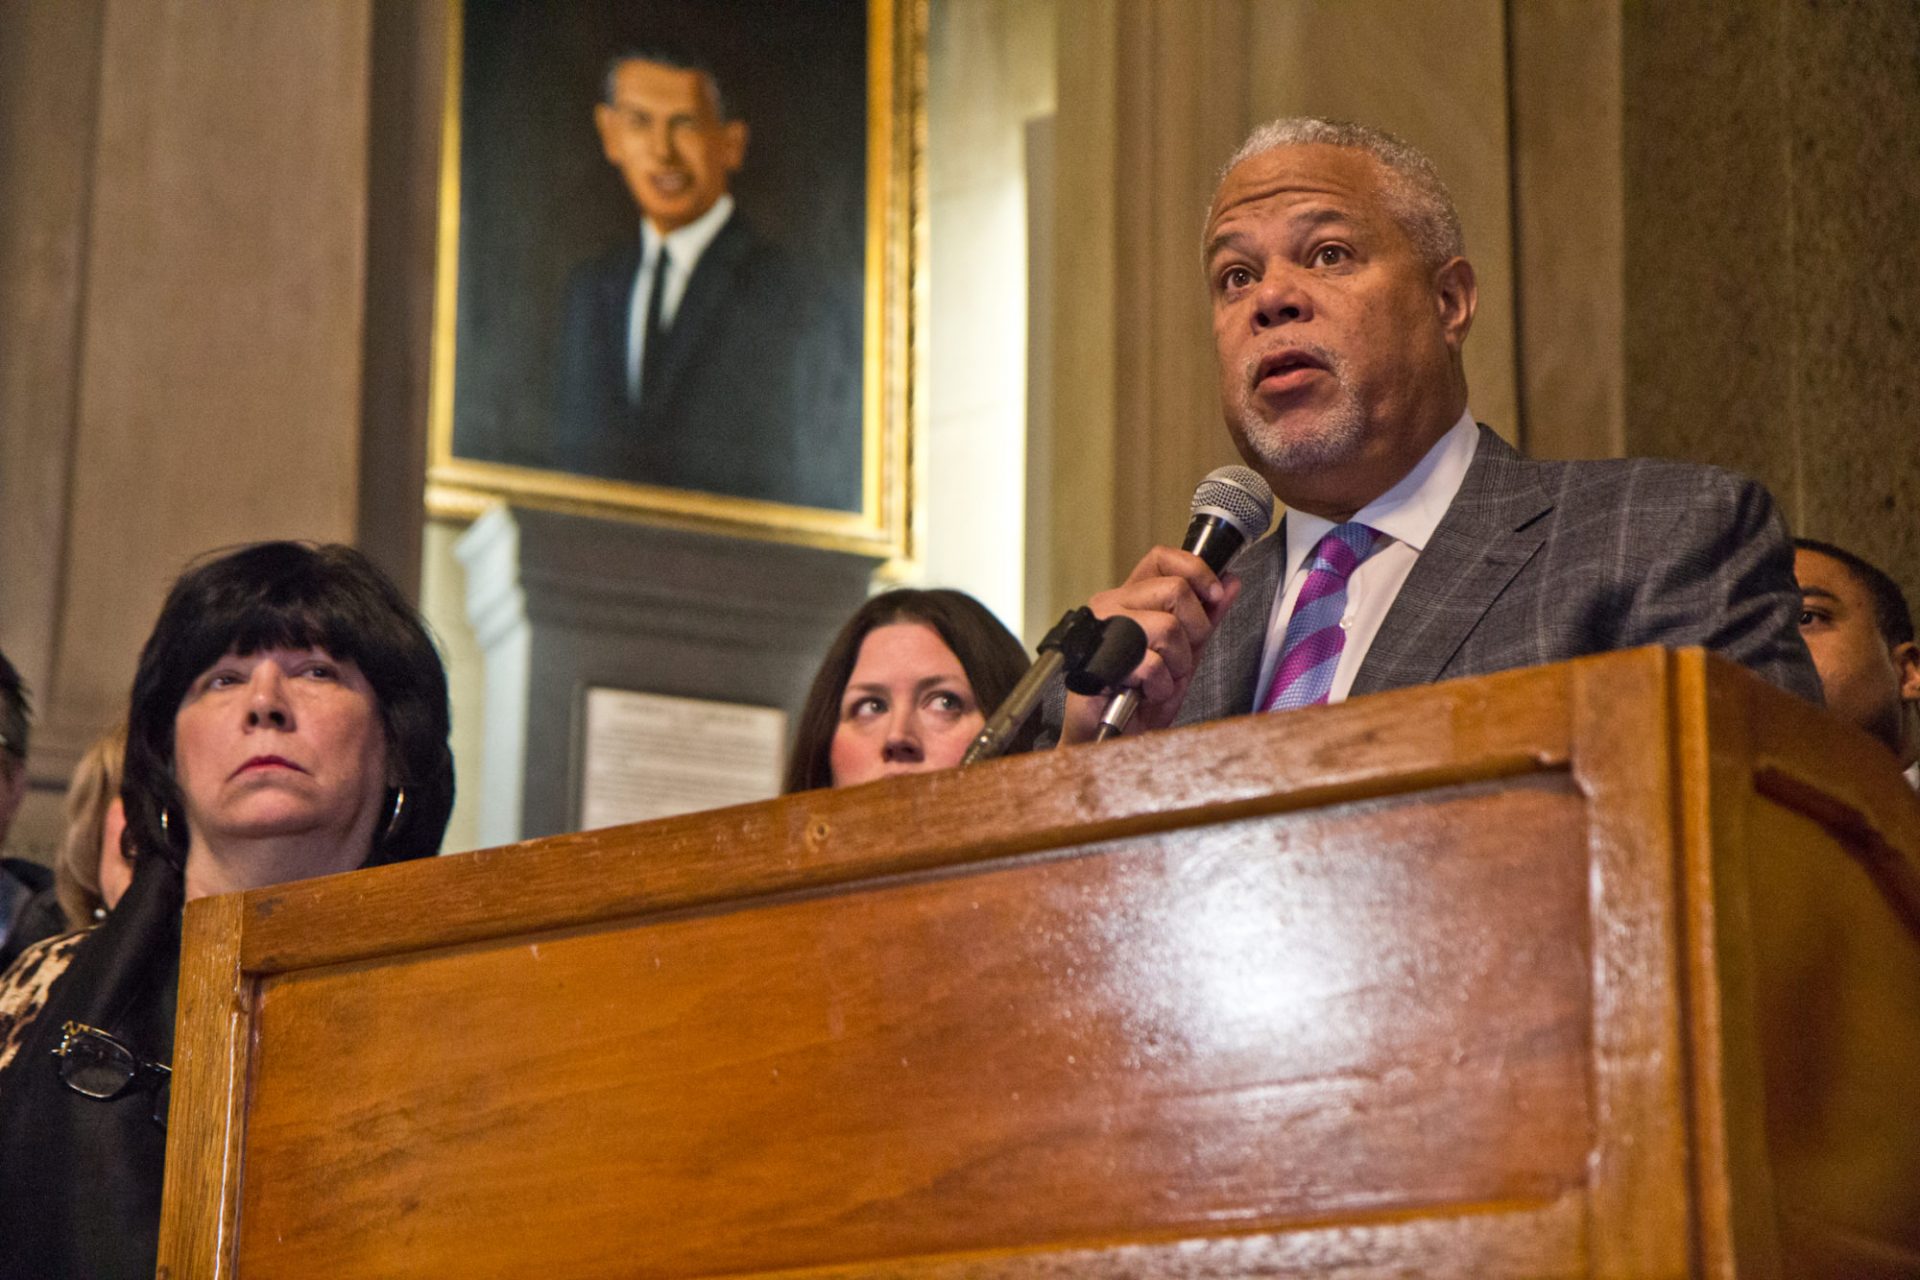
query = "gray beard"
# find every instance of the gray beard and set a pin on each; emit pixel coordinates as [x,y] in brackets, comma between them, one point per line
[1335,438]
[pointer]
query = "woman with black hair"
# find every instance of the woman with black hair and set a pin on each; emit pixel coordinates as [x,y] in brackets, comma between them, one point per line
[904,688]
[289,719]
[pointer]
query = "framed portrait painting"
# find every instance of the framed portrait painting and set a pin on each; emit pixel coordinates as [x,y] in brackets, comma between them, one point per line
[679,244]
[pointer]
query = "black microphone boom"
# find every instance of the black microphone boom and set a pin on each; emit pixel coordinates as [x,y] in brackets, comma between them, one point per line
[1232,507]
[1091,653]
[1073,640]
[1122,645]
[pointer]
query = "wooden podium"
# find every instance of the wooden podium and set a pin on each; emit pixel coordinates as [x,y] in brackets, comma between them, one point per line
[1610,968]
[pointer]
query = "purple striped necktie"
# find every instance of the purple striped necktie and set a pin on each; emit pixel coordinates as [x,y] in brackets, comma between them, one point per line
[1311,650]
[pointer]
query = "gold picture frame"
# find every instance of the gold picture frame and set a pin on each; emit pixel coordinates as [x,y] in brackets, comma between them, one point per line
[468,470]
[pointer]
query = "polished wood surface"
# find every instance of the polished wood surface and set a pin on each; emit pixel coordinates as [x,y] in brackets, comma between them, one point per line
[1834,985]
[883,1085]
[1592,970]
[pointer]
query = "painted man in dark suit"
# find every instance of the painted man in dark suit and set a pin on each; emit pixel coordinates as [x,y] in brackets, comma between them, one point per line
[697,354]
[1341,300]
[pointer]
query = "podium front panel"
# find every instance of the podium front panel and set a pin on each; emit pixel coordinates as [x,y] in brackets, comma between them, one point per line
[1260,1022]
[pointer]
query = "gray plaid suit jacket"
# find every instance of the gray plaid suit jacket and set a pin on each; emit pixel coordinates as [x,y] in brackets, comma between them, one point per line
[1538,562]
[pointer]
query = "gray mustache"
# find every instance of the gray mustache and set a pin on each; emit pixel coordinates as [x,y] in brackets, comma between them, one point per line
[1324,355]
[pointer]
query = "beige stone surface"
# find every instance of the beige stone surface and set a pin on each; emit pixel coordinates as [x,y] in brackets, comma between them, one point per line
[1569,227]
[219,358]
[1771,290]
[184,244]
[1716,207]
[1852,93]
[1712,343]
[49,57]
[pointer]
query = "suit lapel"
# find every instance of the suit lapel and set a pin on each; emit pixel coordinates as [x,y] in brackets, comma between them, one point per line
[708,291]
[1490,531]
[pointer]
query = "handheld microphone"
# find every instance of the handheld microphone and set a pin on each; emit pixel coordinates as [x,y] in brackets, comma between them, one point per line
[1231,507]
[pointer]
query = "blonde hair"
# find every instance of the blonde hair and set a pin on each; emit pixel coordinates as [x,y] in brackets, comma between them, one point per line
[95,785]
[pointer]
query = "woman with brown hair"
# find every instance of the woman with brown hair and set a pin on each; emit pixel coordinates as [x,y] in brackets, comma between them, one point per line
[904,688]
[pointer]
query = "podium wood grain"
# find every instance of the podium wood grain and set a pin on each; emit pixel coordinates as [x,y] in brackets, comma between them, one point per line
[1604,969]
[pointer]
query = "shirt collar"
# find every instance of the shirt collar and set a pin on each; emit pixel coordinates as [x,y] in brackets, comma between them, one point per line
[1411,510]
[686,244]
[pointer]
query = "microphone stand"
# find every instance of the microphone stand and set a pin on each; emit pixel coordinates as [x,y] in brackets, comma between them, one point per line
[1070,643]
[1092,653]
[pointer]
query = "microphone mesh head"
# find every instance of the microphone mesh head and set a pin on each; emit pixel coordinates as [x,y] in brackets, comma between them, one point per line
[1238,496]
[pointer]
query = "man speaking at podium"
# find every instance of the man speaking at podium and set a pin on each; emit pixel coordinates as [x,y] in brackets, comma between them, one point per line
[1418,545]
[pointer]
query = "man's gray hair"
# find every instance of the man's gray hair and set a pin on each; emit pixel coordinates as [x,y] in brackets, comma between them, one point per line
[1416,197]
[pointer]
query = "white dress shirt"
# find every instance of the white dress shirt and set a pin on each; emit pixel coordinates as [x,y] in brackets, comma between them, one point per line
[1406,516]
[1913,777]
[684,247]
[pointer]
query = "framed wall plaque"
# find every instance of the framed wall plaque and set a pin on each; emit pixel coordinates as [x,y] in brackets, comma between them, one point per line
[647,755]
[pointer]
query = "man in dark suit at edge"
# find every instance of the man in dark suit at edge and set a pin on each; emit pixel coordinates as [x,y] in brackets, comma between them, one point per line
[1418,545]
[698,354]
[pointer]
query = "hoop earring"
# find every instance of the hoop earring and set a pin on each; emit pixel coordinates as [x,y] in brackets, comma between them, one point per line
[393,815]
